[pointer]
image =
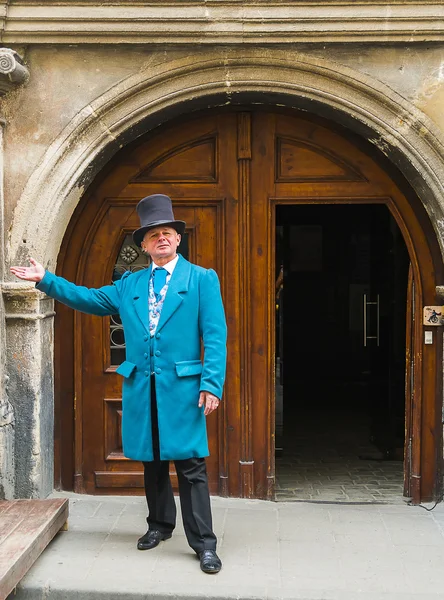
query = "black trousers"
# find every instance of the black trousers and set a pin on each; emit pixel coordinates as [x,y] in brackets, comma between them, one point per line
[193,491]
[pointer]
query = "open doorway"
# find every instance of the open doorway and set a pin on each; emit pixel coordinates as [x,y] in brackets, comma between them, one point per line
[341,294]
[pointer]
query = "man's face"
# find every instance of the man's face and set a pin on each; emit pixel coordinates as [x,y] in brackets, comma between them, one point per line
[161,243]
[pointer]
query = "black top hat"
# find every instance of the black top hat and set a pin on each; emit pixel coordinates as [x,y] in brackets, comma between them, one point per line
[154,211]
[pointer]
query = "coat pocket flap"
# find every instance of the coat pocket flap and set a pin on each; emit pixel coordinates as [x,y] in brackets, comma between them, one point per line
[126,368]
[186,368]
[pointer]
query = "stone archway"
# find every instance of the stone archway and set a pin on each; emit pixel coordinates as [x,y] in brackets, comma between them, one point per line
[372,109]
[395,127]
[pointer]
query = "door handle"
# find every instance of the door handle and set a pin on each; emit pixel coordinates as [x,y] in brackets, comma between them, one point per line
[365,319]
[368,303]
[377,320]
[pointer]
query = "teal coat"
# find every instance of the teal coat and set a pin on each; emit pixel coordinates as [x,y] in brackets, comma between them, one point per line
[192,312]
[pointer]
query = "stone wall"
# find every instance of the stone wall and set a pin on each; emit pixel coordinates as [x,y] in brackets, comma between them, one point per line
[29,341]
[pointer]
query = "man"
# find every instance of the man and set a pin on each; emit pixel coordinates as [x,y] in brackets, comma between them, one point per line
[167,311]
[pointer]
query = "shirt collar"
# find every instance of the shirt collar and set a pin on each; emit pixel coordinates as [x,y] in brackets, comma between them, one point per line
[170,266]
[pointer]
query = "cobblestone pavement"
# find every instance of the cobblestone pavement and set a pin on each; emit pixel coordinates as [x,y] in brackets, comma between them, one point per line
[328,459]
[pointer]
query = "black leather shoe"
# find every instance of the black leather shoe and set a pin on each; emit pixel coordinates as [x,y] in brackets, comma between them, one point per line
[151,539]
[209,561]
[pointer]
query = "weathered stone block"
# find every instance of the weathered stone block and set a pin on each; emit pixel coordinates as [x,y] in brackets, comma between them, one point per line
[29,339]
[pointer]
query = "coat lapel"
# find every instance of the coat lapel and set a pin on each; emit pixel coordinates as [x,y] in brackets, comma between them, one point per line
[140,298]
[177,286]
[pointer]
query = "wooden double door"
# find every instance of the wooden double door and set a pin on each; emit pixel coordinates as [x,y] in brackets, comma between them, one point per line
[226,173]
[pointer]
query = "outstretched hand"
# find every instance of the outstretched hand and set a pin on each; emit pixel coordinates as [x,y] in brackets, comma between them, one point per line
[34,273]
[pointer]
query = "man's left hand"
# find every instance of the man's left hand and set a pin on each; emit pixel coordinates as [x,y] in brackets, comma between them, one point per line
[210,401]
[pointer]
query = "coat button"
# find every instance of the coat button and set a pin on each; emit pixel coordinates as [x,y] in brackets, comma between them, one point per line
[145,338]
[145,355]
[158,336]
[146,373]
[158,371]
[157,353]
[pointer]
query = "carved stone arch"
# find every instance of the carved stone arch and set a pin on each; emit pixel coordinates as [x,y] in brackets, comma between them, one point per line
[395,126]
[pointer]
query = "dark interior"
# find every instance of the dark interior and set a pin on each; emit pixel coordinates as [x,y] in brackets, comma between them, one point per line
[340,377]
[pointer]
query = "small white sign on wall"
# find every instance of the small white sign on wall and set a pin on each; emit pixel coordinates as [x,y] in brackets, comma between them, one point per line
[428,337]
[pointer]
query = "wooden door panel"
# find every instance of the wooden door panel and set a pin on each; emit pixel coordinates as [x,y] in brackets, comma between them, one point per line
[192,161]
[113,429]
[302,161]
[197,166]
[315,165]
[104,463]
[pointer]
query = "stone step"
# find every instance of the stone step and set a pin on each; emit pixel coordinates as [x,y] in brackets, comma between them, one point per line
[26,528]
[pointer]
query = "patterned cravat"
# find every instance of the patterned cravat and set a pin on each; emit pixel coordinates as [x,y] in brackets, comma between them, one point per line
[160,275]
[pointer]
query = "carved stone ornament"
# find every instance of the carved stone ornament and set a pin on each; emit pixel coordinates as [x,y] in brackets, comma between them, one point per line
[12,70]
